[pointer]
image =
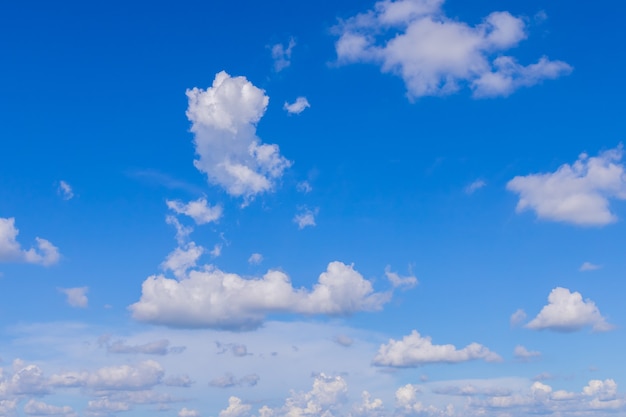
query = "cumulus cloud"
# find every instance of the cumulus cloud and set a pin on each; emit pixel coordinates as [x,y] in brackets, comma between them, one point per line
[414,350]
[298,106]
[199,210]
[65,190]
[186,412]
[567,312]
[588,266]
[524,355]
[216,299]
[305,218]
[11,251]
[236,408]
[224,119]
[436,55]
[282,54]
[579,193]
[228,380]
[474,186]
[183,258]
[255,259]
[76,297]
[407,403]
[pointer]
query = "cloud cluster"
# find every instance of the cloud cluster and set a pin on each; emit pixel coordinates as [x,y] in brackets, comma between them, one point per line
[216,299]
[435,55]
[415,350]
[224,119]
[577,193]
[11,251]
[567,312]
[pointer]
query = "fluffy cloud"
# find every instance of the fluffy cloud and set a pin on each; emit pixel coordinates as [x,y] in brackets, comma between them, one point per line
[407,403]
[577,193]
[255,259]
[11,251]
[567,312]
[76,297]
[282,55]
[435,55]
[415,350]
[213,298]
[198,210]
[305,218]
[183,258]
[142,376]
[236,408]
[224,119]
[65,190]
[298,106]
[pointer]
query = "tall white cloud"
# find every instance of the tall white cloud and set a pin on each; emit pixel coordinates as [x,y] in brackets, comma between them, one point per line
[579,193]
[213,298]
[416,350]
[45,252]
[224,119]
[198,210]
[436,55]
[567,312]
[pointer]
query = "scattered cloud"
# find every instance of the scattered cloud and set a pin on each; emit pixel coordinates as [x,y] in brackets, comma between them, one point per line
[224,119]
[298,106]
[518,317]
[579,193]
[228,380]
[400,282]
[524,355]
[76,297]
[255,259]
[198,210]
[414,350]
[65,190]
[158,347]
[216,299]
[567,312]
[304,187]
[305,218]
[236,408]
[186,412]
[144,375]
[38,408]
[588,266]
[282,54]
[435,55]
[216,251]
[183,258]
[238,350]
[475,186]
[11,251]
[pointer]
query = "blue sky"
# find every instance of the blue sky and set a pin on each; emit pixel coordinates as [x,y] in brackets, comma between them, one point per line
[393,208]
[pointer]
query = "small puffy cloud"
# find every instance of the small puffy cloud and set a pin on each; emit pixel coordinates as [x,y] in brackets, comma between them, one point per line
[229,380]
[236,408]
[65,190]
[282,55]
[186,412]
[199,210]
[474,186]
[567,312]
[255,259]
[224,119]
[436,55]
[76,297]
[588,266]
[523,354]
[518,317]
[328,393]
[579,193]
[216,299]
[11,251]
[38,408]
[216,251]
[414,350]
[181,259]
[298,106]
[400,282]
[305,218]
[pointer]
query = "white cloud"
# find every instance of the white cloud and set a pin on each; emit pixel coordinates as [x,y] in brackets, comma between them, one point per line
[216,251]
[213,298]
[400,282]
[65,190]
[524,354]
[181,259]
[11,251]
[304,187]
[588,266]
[282,55]
[76,297]
[255,259]
[407,403]
[568,312]
[224,119]
[518,317]
[415,350]
[436,55]
[236,408]
[475,186]
[38,408]
[186,412]
[328,393]
[142,376]
[198,210]
[182,232]
[577,193]
[298,106]
[306,218]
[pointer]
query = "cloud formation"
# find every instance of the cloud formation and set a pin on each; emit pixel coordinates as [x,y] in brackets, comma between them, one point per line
[305,218]
[414,350]
[216,299]
[579,193]
[198,210]
[11,251]
[224,119]
[567,312]
[282,54]
[436,55]
[298,106]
